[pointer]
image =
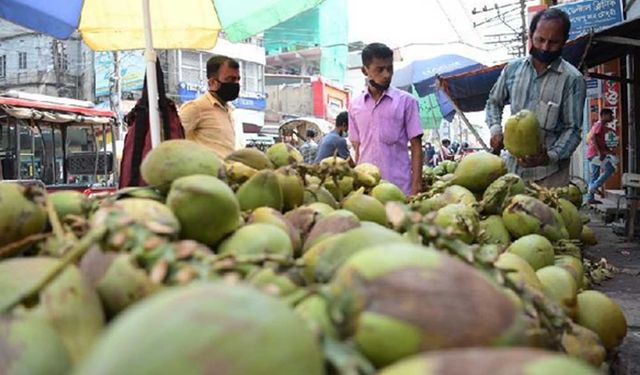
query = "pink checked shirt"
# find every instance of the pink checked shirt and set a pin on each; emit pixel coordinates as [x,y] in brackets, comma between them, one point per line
[383,130]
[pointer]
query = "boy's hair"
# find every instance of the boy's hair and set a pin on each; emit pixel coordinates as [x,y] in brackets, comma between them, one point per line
[375,50]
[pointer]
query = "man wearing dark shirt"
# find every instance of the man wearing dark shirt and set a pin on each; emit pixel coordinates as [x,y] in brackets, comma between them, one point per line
[335,143]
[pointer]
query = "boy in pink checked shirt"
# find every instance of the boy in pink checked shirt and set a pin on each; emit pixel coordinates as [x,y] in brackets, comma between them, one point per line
[383,120]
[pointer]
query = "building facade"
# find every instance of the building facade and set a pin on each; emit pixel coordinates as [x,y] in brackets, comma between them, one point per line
[36,63]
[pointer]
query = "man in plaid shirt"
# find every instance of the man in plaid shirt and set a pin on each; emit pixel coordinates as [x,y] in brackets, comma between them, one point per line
[549,86]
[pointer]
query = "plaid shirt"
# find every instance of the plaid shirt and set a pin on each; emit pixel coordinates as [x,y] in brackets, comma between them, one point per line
[556,96]
[309,149]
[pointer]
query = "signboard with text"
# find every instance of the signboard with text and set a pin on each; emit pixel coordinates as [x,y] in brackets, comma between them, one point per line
[587,15]
[592,15]
[132,69]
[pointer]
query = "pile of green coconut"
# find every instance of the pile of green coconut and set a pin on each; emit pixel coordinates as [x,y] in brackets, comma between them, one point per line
[262,264]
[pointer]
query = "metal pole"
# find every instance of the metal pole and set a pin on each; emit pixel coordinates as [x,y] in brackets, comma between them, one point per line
[633,73]
[467,123]
[114,157]
[150,57]
[523,18]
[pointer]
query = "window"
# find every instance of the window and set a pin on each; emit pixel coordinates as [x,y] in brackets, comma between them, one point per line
[3,66]
[22,60]
[252,77]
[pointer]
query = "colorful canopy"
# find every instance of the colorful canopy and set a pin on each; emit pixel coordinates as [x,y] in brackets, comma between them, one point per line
[110,25]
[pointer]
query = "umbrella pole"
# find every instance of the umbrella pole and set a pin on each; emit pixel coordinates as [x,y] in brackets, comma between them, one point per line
[150,57]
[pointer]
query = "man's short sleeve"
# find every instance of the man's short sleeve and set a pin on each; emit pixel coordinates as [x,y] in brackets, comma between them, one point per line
[413,125]
[354,132]
[189,116]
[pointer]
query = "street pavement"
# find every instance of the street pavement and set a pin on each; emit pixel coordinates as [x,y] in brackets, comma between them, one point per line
[624,288]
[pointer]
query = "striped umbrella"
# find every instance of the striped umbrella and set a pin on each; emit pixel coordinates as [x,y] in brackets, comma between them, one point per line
[114,25]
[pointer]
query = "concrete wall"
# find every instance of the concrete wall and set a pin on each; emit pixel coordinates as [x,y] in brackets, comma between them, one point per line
[290,99]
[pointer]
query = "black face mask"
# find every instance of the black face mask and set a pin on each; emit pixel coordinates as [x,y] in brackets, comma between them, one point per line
[378,86]
[546,57]
[228,91]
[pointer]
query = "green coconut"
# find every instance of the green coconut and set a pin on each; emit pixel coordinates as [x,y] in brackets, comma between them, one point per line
[119,281]
[322,209]
[367,175]
[520,271]
[388,192]
[498,193]
[458,194]
[583,343]
[522,134]
[268,215]
[70,202]
[493,231]
[206,208]
[402,299]
[535,249]
[31,347]
[344,187]
[571,218]
[257,239]
[603,316]
[431,204]
[478,170]
[315,193]
[292,188]
[142,211]
[68,304]
[573,265]
[559,285]
[449,166]
[587,236]
[324,258]
[315,312]
[463,221]
[329,225]
[571,193]
[251,157]
[177,158]
[366,207]
[487,361]
[263,189]
[525,215]
[22,212]
[281,154]
[207,329]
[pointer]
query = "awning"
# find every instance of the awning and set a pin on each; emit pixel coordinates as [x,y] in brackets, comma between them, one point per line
[471,90]
[54,113]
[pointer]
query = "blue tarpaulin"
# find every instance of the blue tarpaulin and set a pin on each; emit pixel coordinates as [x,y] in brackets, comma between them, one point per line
[470,90]
[419,78]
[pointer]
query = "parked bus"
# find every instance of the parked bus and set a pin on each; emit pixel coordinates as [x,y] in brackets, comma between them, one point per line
[58,142]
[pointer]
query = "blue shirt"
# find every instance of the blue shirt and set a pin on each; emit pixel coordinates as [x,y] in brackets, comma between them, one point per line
[556,96]
[331,143]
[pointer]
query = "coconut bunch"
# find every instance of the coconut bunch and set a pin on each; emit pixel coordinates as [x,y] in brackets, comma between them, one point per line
[326,269]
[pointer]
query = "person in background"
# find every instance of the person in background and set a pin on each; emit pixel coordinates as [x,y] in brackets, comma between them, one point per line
[383,120]
[464,150]
[309,149]
[208,119]
[549,86]
[445,152]
[335,142]
[430,152]
[601,157]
